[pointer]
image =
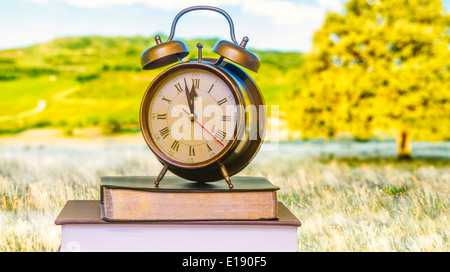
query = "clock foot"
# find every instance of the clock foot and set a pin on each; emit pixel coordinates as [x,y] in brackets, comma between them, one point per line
[226,176]
[161,174]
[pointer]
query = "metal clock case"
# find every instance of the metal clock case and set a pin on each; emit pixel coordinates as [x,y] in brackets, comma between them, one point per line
[211,158]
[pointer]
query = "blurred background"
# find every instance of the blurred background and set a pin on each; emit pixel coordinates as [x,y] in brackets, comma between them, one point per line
[362,87]
[355,70]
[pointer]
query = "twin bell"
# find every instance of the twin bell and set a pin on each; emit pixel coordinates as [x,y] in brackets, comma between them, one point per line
[170,51]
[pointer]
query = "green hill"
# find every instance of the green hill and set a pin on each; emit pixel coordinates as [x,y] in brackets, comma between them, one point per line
[83,81]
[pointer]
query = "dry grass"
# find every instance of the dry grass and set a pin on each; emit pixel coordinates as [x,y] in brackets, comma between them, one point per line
[369,205]
[358,204]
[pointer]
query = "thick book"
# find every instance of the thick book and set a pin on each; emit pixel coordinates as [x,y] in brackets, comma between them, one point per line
[83,229]
[135,198]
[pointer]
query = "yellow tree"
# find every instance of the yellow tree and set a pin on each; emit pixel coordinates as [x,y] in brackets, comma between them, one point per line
[379,66]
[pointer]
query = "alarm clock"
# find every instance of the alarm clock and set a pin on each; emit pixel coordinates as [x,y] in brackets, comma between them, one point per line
[205,118]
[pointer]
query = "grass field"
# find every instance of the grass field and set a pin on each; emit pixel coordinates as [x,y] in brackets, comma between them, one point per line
[76,82]
[351,197]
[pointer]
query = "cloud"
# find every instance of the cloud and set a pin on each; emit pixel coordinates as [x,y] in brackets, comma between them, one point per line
[331,5]
[294,20]
[282,13]
[162,4]
[39,1]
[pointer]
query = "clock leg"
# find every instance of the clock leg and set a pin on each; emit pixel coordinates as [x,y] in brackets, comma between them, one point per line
[226,176]
[161,174]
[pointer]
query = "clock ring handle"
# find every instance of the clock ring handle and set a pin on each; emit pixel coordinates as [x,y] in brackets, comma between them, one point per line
[184,11]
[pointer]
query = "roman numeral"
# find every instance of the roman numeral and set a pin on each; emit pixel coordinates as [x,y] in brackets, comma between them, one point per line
[222,101]
[167,100]
[208,147]
[161,116]
[226,118]
[220,135]
[196,82]
[178,86]
[175,145]
[191,151]
[210,88]
[164,132]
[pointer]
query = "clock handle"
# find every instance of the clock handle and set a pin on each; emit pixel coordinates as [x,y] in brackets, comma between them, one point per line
[184,11]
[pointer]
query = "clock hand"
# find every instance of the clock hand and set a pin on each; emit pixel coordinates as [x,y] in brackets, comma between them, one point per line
[192,95]
[205,129]
[188,97]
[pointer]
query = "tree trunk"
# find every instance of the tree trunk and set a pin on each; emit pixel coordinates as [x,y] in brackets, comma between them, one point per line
[403,144]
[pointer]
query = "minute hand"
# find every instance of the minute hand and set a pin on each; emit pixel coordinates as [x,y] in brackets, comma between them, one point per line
[188,97]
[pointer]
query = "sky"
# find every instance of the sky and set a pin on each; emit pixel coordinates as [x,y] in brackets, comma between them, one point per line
[286,25]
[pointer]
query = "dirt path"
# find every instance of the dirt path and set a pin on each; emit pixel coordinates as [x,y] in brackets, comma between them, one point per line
[62,97]
[41,106]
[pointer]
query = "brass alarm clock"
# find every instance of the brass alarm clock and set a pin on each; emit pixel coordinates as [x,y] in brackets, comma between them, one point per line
[204,119]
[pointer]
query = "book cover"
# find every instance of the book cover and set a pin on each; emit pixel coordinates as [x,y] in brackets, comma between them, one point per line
[83,229]
[135,198]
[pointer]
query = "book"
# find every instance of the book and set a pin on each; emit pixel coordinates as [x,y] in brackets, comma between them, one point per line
[135,198]
[83,229]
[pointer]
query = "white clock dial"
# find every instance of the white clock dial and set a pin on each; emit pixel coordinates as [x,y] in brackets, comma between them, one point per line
[198,132]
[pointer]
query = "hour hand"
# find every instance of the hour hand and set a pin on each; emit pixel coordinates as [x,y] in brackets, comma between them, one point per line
[188,97]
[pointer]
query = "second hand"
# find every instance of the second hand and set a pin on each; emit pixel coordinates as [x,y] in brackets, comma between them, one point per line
[204,128]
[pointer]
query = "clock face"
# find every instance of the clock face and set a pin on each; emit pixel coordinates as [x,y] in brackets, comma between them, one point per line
[192,116]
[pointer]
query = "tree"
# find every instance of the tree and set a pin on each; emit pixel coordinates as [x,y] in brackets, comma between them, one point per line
[382,65]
